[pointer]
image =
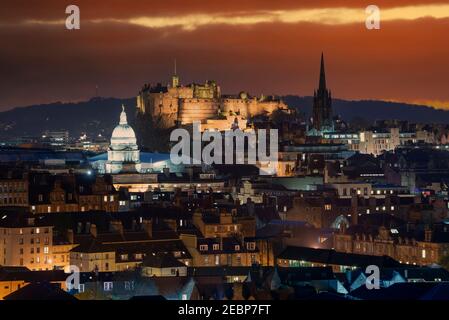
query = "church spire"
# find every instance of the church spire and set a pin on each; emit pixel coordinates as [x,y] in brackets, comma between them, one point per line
[322,84]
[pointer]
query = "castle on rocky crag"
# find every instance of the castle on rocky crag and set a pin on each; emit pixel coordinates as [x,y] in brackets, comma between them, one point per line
[175,104]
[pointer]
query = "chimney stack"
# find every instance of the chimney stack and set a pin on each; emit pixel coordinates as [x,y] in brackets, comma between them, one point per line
[116,226]
[147,225]
[70,236]
[354,210]
[93,230]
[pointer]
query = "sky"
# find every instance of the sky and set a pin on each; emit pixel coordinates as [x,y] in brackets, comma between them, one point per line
[258,46]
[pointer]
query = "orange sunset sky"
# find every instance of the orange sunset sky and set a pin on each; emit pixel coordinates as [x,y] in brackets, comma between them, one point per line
[260,46]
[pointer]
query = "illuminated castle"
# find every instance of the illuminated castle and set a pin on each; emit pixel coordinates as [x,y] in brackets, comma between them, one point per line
[175,104]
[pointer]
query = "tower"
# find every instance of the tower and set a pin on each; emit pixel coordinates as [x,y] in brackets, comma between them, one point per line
[175,78]
[322,103]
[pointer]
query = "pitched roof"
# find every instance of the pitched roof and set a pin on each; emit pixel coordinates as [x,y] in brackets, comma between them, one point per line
[332,257]
[40,291]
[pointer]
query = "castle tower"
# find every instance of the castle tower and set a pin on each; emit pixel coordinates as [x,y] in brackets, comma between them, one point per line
[322,103]
[175,79]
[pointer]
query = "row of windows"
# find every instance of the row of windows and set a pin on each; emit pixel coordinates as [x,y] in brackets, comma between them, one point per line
[47,260]
[35,241]
[13,187]
[13,200]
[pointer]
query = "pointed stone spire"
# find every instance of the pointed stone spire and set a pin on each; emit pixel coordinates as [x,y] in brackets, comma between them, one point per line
[322,84]
[123,119]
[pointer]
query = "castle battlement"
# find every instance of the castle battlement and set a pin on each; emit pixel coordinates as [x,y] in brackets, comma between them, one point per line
[175,104]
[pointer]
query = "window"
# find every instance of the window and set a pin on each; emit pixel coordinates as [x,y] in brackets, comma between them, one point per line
[122,203]
[38,230]
[40,198]
[38,250]
[107,286]
[216,246]
[237,247]
[138,256]
[217,259]
[423,253]
[203,247]
[45,249]
[111,198]
[124,257]
[105,198]
[129,285]
[251,245]
[21,250]
[327,207]
[21,241]
[81,288]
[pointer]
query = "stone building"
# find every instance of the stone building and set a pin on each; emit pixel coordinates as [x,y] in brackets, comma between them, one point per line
[424,247]
[178,105]
[13,188]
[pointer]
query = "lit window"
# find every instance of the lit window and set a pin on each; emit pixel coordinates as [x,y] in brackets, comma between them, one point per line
[107,286]
[45,249]
[423,253]
[122,203]
[327,207]
[111,198]
[392,208]
[105,198]
[38,230]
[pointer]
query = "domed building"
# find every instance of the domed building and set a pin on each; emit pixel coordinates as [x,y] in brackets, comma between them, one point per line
[123,152]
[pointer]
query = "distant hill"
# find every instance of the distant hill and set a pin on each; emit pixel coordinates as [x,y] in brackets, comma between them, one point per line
[372,110]
[100,115]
